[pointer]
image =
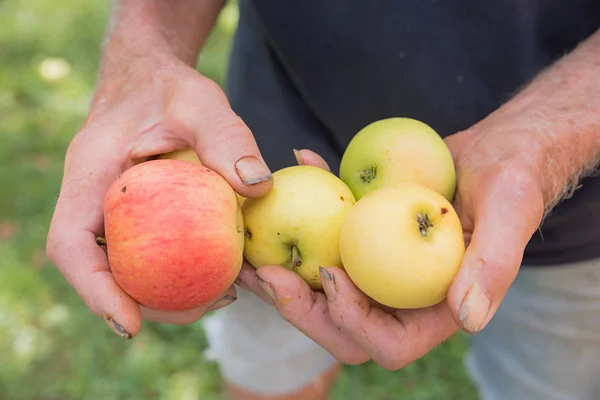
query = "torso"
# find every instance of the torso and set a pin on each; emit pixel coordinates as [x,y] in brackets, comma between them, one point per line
[446,62]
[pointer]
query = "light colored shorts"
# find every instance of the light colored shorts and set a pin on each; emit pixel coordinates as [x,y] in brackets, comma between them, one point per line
[259,351]
[543,343]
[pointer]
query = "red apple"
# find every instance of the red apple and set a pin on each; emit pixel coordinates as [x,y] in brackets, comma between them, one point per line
[174,234]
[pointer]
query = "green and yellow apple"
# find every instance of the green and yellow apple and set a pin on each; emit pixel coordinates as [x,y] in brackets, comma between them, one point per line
[402,245]
[190,155]
[297,223]
[397,150]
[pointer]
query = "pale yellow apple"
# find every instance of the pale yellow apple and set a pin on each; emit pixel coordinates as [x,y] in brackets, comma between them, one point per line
[402,245]
[190,155]
[297,223]
[186,154]
[398,150]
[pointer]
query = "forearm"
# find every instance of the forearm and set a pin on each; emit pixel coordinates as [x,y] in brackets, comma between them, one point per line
[140,28]
[560,112]
[145,39]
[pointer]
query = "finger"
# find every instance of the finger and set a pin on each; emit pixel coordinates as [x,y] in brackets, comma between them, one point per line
[199,109]
[309,157]
[247,280]
[307,311]
[84,265]
[392,340]
[507,212]
[189,316]
[90,166]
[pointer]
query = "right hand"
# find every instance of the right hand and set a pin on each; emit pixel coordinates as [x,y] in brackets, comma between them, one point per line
[148,107]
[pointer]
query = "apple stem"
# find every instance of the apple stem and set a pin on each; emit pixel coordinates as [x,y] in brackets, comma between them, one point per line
[296,260]
[100,241]
[424,223]
[368,174]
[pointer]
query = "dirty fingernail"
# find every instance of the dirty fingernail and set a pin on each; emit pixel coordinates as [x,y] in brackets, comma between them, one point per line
[222,302]
[474,309]
[116,328]
[298,156]
[251,170]
[266,287]
[328,280]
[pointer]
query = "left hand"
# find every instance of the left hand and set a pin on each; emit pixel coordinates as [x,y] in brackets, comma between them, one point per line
[499,201]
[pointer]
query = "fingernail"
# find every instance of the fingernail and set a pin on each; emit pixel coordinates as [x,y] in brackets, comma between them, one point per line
[222,302]
[266,287]
[116,328]
[474,309]
[328,280]
[299,159]
[241,284]
[252,171]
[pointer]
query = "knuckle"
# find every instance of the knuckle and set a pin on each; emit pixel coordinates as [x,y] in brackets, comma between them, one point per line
[53,246]
[350,314]
[77,147]
[230,128]
[208,86]
[299,309]
[294,312]
[519,177]
[502,263]
[391,362]
[74,144]
[199,103]
[356,358]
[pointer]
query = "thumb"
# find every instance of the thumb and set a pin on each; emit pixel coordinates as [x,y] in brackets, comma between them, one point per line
[221,139]
[506,214]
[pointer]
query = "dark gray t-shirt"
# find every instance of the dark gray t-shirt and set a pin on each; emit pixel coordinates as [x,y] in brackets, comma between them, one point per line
[310,74]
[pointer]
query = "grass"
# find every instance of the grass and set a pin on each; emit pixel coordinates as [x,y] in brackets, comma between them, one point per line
[52,347]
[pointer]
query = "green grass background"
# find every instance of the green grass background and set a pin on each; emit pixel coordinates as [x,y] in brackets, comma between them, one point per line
[51,346]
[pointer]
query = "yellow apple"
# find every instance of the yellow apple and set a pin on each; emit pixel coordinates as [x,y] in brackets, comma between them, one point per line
[186,154]
[190,155]
[297,223]
[397,150]
[402,245]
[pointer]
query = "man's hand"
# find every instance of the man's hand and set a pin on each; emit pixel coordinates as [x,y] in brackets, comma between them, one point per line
[144,105]
[500,205]
[513,167]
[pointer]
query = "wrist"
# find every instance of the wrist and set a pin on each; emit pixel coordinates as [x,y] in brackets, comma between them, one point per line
[156,31]
[129,75]
[179,28]
[556,149]
[554,122]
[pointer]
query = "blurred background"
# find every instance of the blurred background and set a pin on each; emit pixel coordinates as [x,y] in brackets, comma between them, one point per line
[51,346]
